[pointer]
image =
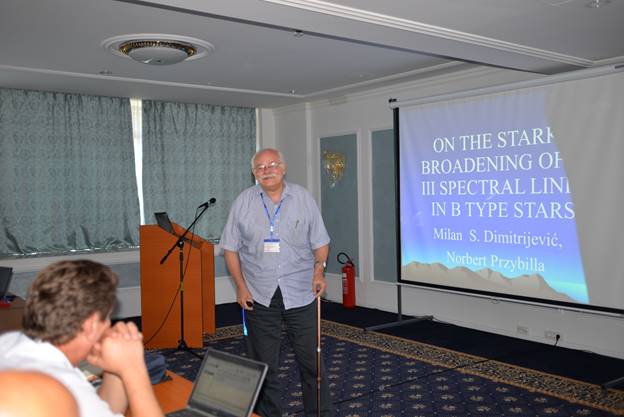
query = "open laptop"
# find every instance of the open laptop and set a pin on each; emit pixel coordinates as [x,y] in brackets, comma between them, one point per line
[5,280]
[226,386]
[163,221]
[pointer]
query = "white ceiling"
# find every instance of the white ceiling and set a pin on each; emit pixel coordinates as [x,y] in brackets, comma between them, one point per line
[348,45]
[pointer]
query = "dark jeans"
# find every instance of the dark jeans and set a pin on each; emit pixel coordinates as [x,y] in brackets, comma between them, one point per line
[264,327]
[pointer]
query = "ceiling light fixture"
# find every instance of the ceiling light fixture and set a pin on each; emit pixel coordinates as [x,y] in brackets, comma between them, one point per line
[157,52]
[297,33]
[157,49]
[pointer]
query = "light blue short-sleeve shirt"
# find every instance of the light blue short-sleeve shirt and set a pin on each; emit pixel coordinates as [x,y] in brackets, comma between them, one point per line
[300,230]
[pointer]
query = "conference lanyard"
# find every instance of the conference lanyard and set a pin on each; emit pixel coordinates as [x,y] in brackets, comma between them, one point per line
[271,220]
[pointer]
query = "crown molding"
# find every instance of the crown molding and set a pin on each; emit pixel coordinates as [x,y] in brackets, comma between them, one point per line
[616,60]
[148,82]
[407,74]
[498,88]
[407,25]
[291,108]
[399,88]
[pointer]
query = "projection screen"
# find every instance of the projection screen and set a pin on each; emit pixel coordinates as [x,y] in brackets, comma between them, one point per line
[516,194]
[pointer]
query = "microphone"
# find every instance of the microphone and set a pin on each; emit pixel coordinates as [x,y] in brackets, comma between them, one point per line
[208,203]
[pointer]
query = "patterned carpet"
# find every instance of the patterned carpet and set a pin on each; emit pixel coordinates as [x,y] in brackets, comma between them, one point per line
[371,374]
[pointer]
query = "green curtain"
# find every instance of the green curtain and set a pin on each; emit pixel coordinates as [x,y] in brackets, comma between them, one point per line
[66,173]
[191,153]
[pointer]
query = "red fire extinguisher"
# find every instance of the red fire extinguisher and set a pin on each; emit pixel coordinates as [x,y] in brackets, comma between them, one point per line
[348,280]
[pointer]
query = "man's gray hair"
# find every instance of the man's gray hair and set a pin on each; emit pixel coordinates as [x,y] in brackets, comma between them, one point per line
[279,155]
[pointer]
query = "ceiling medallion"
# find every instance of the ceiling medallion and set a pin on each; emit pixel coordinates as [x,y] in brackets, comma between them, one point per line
[158,49]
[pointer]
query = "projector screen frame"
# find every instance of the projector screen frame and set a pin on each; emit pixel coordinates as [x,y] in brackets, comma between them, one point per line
[396,105]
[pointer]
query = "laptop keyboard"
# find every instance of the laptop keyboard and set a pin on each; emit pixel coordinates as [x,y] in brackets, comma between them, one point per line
[183,413]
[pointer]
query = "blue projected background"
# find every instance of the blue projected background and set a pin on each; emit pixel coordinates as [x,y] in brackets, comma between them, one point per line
[485,201]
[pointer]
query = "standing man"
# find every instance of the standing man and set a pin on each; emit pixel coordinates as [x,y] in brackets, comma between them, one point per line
[275,246]
[67,320]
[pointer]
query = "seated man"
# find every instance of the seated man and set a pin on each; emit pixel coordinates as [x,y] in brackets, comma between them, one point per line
[33,394]
[67,320]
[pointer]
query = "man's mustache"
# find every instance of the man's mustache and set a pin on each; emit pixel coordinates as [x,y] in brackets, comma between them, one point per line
[267,176]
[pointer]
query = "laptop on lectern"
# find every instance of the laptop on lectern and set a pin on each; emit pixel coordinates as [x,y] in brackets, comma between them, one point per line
[163,221]
[227,385]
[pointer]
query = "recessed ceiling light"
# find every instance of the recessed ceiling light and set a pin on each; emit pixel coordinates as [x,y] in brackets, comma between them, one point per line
[594,4]
[292,91]
[157,49]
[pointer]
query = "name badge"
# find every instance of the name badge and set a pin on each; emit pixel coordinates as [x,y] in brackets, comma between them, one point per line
[271,245]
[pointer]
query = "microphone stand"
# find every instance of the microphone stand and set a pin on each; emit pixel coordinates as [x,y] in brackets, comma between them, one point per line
[180,245]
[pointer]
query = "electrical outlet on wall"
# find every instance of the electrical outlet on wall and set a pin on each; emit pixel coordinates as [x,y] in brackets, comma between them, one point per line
[551,334]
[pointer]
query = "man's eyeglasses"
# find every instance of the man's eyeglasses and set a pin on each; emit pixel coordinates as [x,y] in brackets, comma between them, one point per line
[271,165]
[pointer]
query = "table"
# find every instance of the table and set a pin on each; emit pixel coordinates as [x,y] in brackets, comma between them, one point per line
[11,317]
[173,395]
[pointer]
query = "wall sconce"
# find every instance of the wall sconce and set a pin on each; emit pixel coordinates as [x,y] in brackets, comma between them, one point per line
[334,165]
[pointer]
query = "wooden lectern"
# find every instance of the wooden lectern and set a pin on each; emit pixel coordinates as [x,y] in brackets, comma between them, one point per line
[160,283]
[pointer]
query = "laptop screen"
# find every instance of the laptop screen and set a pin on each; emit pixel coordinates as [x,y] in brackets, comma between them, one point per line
[5,279]
[227,385]
[163,221]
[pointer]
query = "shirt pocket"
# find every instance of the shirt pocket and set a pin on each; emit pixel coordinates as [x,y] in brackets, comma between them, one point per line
[298,240]
[296,233]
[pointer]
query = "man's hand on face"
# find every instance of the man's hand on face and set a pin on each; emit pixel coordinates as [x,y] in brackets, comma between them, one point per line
[120,350]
